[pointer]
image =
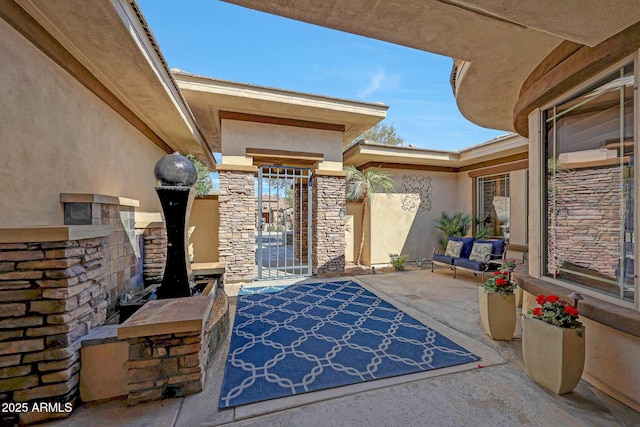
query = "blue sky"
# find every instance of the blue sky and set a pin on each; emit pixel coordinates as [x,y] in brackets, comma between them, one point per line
[229,42]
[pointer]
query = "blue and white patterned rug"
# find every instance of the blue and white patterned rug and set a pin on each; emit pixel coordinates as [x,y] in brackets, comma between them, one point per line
[315,336]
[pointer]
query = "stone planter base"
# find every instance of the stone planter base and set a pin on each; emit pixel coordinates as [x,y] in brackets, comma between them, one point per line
[498,314]
[554,356]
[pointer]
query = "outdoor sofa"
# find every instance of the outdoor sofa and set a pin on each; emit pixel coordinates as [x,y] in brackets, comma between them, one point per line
[480,263]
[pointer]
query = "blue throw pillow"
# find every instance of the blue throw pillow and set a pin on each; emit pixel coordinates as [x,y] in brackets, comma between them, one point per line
[467,245]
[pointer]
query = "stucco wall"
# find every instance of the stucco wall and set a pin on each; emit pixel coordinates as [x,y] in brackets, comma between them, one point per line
[354,210]
[405,222]
[518,194]
[203,229]
[237,136]
[57,137]
[464,192]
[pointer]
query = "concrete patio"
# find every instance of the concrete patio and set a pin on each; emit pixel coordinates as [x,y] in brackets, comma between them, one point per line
[496,392]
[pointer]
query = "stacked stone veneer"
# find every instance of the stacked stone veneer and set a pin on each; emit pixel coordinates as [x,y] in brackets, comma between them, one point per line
[51,294]
[175,364]
[329,210]
[237,224]
[588,219]
[123,255]
[155,253]
[301,217]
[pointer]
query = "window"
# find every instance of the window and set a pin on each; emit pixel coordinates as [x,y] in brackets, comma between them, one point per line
[588,182]
[493,207]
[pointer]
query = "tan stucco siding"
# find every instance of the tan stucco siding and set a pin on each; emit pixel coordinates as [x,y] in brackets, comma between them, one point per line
[203,230]
[57,137]
[518,194]
[464,199]
[237,136]
[402,228]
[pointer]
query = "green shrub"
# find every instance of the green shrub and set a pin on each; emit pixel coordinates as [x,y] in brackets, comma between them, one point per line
[203,184]
[398,261]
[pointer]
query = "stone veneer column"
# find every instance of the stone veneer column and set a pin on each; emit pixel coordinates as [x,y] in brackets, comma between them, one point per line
[237,233]
[123,255]
[328,211]
[301,214]
[53,290]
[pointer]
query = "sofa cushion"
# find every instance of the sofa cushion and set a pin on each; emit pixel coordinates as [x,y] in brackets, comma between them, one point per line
[481,252]
[467,245]
[443,258]
[467,263]
[498,245]
[453,249]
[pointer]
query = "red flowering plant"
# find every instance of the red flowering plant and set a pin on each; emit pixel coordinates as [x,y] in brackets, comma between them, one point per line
[557,312]
[500,283]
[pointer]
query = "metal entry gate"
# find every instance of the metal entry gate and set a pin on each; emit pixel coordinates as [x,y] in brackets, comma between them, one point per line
[283,237]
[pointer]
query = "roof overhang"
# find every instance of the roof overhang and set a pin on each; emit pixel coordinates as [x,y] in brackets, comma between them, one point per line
[116,57]
[507,148]
[213,99]
[501,41]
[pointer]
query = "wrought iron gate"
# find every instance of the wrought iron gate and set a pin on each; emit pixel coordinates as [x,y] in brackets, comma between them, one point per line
[283,238]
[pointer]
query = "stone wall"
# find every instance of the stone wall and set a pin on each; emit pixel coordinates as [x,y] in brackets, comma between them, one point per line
[587,209]
[173,364]
[51,294]
[237,201]
[329,210]
[123,255]
[155,253]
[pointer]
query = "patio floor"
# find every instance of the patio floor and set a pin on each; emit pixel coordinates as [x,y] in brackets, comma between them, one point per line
[498,394]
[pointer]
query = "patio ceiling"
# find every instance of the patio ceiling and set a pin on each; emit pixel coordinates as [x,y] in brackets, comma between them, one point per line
[501,40]
[108,47]
[208,97]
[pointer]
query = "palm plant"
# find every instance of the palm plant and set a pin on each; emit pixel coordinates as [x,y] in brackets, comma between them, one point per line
[361,185]
[456,225]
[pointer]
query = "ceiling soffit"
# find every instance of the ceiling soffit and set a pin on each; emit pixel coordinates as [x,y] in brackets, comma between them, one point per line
[502,41]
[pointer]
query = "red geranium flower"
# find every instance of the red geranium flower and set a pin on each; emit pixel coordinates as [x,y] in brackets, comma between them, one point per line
[571,311]
[501,281]
[497,273]
[558,313]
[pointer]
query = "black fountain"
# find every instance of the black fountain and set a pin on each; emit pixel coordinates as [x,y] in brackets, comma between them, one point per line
[176,193]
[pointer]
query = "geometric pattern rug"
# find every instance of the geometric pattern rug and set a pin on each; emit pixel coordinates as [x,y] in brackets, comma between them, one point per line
[315,336]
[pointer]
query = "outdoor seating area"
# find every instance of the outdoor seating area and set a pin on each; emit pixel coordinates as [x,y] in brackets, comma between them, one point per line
[471,254]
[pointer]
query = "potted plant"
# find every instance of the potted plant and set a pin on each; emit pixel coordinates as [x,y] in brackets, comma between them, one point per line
[509,265]
[498,306]
[553,344]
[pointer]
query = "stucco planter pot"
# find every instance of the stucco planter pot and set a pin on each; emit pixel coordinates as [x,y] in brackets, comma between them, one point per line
[498,314]
[553,356]
[519,296]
